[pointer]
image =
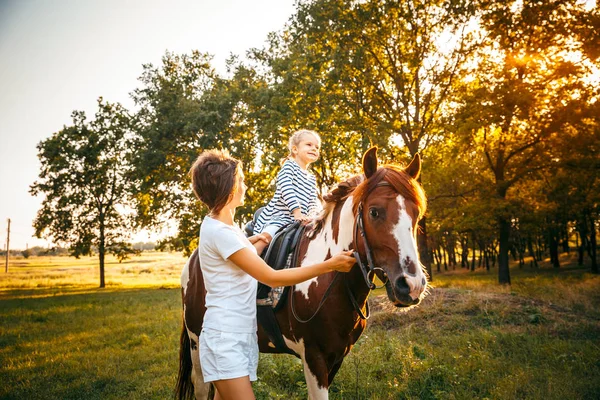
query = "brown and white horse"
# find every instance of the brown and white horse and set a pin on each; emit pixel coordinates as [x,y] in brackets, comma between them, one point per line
[376,214]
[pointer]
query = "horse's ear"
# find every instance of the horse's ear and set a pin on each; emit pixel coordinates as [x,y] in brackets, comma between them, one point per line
[414,168]
[370,162]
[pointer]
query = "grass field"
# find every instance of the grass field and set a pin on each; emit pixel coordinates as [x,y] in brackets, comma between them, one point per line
[63,338]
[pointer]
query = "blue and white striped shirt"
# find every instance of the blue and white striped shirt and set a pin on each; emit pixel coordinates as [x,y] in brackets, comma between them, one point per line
[295,188]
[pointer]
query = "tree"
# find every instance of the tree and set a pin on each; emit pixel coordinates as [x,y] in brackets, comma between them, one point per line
[82,181]
[369,72]
[525,81]
[574,184]
[168,138]
[185,108]
[455,196]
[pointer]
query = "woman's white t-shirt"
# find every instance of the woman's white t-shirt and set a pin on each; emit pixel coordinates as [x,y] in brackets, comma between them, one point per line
[230,292]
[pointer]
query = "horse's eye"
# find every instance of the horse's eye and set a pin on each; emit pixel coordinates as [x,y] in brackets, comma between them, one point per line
[373,213]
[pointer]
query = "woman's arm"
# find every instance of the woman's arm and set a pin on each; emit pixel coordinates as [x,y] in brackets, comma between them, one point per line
[254,266]
[259,241]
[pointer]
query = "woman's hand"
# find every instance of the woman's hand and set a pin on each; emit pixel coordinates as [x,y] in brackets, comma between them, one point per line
[343,261]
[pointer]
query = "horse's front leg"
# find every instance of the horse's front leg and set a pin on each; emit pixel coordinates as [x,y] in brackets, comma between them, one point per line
[316,374]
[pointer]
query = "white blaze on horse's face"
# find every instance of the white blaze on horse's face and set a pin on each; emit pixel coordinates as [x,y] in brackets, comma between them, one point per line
[404,234]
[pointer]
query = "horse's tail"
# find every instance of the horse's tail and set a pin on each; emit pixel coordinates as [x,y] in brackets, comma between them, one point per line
[185,388]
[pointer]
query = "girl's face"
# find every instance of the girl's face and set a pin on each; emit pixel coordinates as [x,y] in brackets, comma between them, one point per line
[307,151]
[240,191]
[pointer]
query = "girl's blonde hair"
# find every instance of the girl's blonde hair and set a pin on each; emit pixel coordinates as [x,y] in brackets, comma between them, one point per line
[295,141]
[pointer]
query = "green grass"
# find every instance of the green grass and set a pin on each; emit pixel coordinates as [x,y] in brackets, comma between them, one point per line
[470,339]
[99,344]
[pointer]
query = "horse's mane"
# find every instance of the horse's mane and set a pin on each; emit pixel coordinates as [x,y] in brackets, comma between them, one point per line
[359,188]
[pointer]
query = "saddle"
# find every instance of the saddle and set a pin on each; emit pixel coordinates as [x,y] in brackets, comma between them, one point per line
[280,254]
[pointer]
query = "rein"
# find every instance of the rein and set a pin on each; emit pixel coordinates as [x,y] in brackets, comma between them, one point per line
[368,271]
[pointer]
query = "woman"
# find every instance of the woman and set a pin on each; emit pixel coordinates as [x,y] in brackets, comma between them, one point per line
[231,267]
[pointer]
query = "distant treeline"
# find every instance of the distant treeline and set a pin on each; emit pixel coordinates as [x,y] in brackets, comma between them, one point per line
[499,97]
[63,251]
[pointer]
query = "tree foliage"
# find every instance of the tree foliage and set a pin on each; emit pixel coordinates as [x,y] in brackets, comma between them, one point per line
[82,179]
[523,89]
[499,97]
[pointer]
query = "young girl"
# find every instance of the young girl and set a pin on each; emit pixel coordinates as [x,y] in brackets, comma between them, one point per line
[296,192]
[230,267]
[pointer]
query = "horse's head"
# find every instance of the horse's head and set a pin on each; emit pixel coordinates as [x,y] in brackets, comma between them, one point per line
[392,204]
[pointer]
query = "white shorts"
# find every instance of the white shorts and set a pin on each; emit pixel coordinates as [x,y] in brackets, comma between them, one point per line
[271,230]
[228,355]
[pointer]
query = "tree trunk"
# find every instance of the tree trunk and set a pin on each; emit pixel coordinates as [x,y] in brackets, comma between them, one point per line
[531,252]
[504,234]
[473,259]
[579,245]
[445,255]
[582,228]
[521,259]
[581,250]
[565,243]
[593,246]
[101,252]
[512,250]
[464,255]
[423,247]
[553,245]
[452,251]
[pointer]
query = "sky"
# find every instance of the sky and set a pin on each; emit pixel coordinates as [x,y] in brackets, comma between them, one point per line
[61,55]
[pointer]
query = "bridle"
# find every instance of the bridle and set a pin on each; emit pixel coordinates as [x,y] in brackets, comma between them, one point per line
[368,270]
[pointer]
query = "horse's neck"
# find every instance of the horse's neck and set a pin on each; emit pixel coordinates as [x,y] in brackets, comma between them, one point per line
[335,235]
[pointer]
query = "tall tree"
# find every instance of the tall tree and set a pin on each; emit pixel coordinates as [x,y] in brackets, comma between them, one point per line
[82,181]
[372,71]
[185,107]
[529,69]
[168,136]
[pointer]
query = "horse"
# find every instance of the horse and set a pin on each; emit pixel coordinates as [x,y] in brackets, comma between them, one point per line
[376,215]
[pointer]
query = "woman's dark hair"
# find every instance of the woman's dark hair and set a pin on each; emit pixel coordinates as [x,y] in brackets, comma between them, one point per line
[214,178]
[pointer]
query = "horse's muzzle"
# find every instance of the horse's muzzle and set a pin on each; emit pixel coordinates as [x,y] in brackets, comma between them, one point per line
[399,293]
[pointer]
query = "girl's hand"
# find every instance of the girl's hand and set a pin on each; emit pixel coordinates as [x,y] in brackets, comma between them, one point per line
[298,216]
[258,238]
[343,261]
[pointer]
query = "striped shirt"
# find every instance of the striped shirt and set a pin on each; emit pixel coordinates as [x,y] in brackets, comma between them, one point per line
[295,188]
